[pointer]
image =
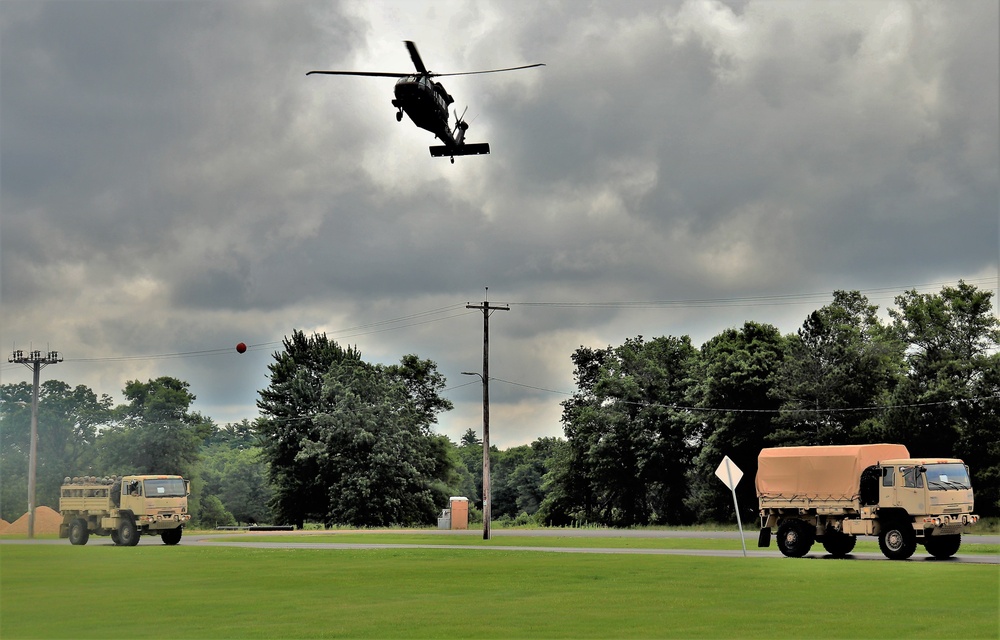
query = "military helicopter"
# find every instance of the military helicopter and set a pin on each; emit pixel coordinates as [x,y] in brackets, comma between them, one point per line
[426,102]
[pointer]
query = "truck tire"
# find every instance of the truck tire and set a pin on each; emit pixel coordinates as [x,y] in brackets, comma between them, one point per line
[839,544]
[943,546]
[78,532]
[114,537]
[172,536]
[897,541]
[128,533]
[795,538]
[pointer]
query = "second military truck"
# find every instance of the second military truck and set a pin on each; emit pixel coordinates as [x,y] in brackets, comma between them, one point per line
[124,508]
[834,494]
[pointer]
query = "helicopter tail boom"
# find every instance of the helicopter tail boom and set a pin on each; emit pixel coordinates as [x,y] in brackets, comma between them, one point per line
[472,149]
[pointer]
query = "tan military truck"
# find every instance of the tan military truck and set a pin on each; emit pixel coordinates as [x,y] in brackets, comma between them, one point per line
[124,508]
[834,494]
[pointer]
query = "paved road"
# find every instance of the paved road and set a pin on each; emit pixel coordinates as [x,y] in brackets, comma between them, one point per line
[246,540]
[752,550]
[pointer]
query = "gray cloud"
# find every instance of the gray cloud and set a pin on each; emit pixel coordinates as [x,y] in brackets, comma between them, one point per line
[172,182]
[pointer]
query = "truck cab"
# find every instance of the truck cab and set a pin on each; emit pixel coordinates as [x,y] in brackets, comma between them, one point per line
[936,493]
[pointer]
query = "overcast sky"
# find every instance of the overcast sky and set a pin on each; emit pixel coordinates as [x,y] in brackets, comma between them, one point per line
[171,182]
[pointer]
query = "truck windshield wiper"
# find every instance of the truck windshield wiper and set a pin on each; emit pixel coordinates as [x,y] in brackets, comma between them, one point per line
[950,484]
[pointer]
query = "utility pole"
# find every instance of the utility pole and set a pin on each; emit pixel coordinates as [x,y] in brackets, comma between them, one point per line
[34,361]
[487,496]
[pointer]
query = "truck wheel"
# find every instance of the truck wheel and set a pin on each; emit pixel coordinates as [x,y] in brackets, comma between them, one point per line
[128,534]
[943,546]
[794,538]
[114,537]
[78,533]
[839,544]
[897,541]
[172,536]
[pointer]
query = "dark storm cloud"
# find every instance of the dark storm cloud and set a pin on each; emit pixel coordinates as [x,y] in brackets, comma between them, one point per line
[171,181]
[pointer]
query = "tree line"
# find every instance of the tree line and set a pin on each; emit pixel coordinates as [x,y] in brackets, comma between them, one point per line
[341,441]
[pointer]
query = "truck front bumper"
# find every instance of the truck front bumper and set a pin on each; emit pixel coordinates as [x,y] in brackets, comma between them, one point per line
[951,521]
[163,520]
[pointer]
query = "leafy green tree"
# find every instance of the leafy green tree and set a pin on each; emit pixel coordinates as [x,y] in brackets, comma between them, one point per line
[374,458]
[979,445]
[734,413]
[237,475]
[949,400]
[518,476]
[450,477]
[469,438]
[68,421]
[155,432]
[570,495]
[467,457]
[503,467]
[629,450]
[470,456]
[287,425]
[423,384]
[351,442]
[562,487]
[238,435]
[212,513]
[841,362]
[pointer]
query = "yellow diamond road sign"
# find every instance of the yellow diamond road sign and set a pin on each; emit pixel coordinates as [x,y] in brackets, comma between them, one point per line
[729,473]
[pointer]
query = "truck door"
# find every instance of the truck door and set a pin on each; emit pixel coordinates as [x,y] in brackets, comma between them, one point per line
[887,492]
[132,495]
[910,488]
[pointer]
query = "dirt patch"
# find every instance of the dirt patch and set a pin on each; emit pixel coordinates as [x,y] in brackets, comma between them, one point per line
[3,524]
[47,520]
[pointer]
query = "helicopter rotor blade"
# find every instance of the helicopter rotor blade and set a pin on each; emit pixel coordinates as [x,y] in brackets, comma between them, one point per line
[472,73]
[378,74]
[415,56]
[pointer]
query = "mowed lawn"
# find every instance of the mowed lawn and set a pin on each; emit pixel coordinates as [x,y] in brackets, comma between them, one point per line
[511,539]
[202,591]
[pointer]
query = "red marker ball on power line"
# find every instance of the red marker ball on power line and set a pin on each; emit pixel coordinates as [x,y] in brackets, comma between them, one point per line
[241,347]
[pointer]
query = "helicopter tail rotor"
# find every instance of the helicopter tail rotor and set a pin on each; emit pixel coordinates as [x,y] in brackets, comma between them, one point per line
[461,126]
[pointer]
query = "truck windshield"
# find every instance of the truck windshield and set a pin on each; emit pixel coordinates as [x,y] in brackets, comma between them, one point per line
[165,488]
[947,476]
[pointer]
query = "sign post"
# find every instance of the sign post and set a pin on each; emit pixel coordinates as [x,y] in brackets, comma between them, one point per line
[730,475]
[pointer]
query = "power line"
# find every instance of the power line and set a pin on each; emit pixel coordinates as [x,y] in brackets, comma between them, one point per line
[349,332]
[426,317]
[743,301]
[685,408]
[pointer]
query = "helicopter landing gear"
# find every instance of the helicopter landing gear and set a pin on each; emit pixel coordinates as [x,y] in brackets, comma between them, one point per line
[453,160]
[399,116]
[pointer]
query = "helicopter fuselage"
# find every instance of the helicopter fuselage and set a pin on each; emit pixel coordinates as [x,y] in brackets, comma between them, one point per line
[426,103]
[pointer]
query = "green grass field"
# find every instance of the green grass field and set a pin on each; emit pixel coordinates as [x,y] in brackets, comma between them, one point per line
[509,539]
[201,591]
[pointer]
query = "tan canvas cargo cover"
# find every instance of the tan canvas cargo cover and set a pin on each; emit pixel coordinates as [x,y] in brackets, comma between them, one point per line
[819,472]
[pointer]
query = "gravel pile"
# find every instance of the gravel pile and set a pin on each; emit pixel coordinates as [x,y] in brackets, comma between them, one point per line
[47,520]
